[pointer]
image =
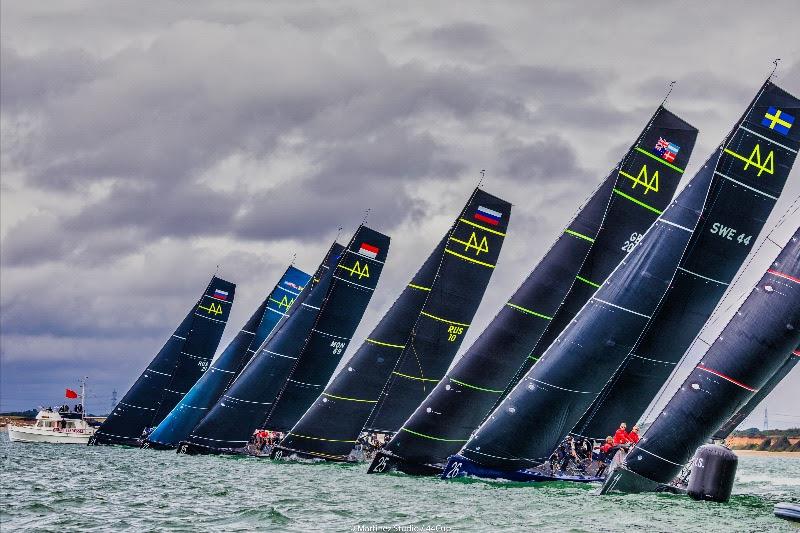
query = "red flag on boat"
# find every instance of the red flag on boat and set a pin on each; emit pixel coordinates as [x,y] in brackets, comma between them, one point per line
[71,393]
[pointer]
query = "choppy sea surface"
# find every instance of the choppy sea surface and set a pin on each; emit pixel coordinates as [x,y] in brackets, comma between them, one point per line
[48,487]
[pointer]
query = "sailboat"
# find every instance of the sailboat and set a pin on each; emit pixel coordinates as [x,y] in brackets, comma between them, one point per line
[204,394]
[173,371]
[298,358]
[407,352]
[743,359]
[706,233]
[607,227]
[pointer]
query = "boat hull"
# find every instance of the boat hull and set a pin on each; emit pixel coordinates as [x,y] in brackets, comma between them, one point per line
[459,466]
[385,462]
[787,511]
[32,434]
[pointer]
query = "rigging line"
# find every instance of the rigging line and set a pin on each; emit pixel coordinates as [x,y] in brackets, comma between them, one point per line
[671,85]
[366,216]
[483,175]
[774,67]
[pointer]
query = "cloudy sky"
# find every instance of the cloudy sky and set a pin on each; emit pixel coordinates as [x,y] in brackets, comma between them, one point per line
[143,147]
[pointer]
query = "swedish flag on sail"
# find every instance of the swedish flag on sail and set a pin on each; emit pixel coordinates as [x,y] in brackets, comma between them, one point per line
[778,120]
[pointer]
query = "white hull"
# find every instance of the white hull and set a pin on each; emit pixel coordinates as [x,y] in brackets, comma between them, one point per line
[34,434]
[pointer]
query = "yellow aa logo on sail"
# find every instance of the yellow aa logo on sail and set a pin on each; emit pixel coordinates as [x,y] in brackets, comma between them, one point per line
[284,302]
[767,165]
[473,244]
[212,309]
[650,183]
[357,270]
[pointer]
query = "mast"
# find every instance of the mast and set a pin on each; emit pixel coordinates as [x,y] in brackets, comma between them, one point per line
[624,205]
[331,426]
[748,352]
[705,234]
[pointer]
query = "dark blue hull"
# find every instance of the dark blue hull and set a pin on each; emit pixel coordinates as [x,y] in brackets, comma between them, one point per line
[459,466]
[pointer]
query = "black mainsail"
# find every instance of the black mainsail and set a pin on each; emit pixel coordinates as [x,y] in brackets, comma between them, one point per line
[627,202]
[708,229]
[246,401]
[755,155]
[309,352]
[330,427]
[174,369]
[733,422]
[204,394]
[751,348]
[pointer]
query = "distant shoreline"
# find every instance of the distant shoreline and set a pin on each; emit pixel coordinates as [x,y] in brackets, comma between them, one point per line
[764,453]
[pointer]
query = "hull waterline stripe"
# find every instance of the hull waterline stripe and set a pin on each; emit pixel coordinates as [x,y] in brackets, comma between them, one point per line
[768,139]
[476,387]
[670,165]
[216,440]
[578,235]
[620,307]
[637,202]
[424,436]
[703,277]
[414,377]
[784,276]
[465,221]
[720,174]
[726,378]
[348,399]
[465,258]
[493,456]
[419,287]
[388,345]
[528,311]
[443,319]
[588,282]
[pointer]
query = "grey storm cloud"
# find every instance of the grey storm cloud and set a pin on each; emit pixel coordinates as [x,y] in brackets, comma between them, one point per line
[143,149]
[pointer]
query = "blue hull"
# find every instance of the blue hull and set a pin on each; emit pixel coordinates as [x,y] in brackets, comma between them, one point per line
[458,466]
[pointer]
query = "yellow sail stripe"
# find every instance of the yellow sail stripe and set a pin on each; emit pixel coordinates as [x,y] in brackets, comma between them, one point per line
[414,377]
[578,235]
[319,438]
[464,257]
[348,399]
[440,319]
[588,282]
[424,436]
[528,311]
[379,343]
[663,161]
[465,221]
[475,387]
[419,287]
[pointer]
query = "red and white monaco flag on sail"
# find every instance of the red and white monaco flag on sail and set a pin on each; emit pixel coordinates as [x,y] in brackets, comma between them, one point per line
[368,250]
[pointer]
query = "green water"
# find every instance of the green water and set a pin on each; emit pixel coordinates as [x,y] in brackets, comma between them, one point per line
[76,488]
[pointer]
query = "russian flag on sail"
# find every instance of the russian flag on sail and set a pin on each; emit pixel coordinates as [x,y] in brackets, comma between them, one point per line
[368,250]
[220,295]
[484,214]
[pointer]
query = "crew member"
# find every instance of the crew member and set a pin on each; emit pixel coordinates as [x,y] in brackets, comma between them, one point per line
[621,435]
[633,436]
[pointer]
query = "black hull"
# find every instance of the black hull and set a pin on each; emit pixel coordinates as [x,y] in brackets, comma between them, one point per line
[188,448]
[155,445]
[459,466]
[384,463]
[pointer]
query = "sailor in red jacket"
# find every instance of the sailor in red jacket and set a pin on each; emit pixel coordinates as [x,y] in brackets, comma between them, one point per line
[633,436]
[621,435]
